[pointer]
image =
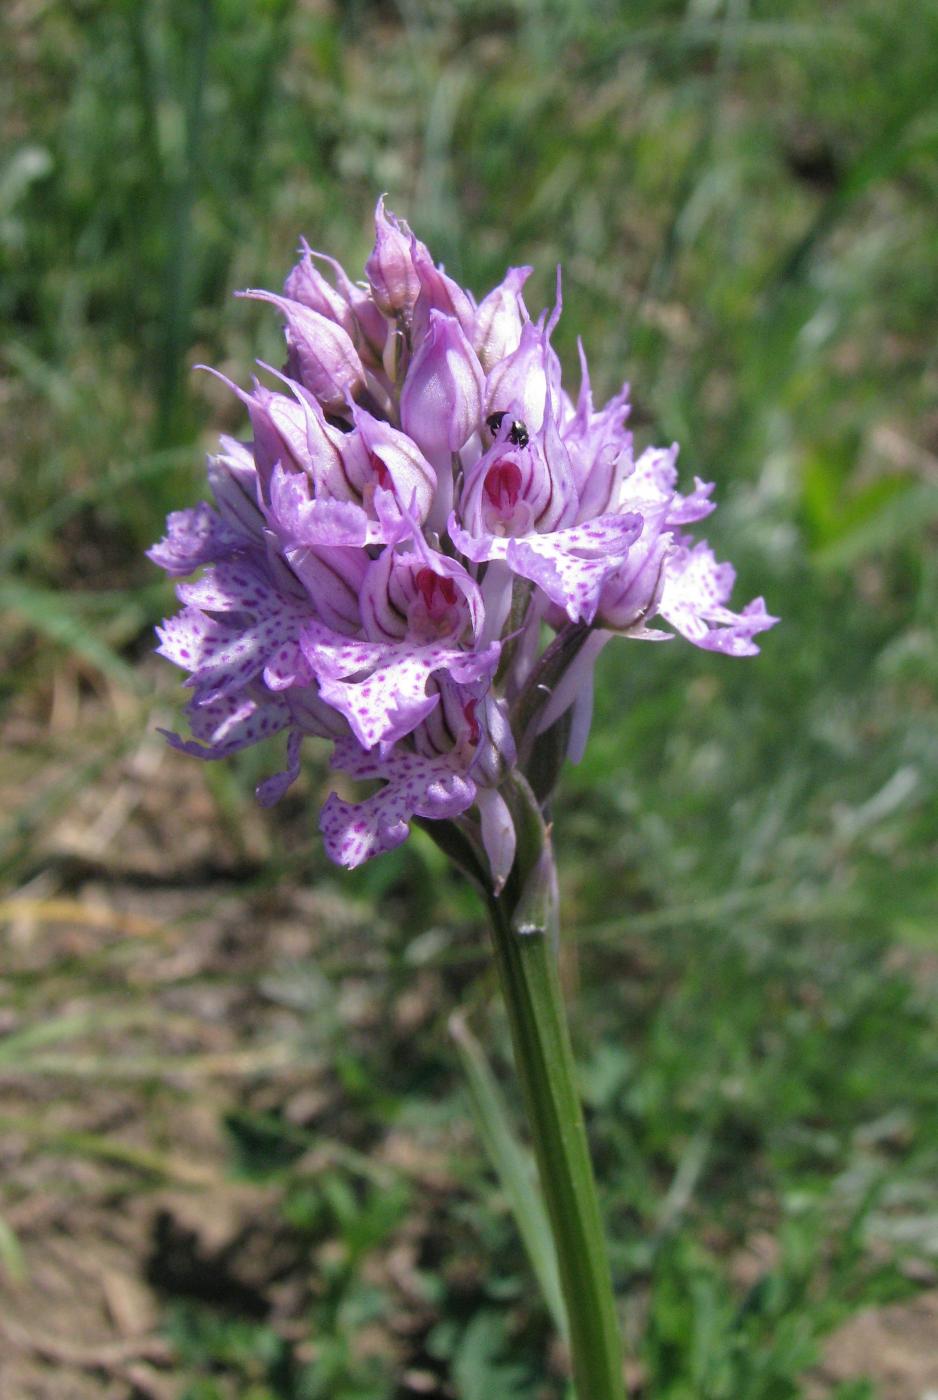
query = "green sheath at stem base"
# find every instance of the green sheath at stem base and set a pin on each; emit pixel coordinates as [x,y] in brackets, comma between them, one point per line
[527,968]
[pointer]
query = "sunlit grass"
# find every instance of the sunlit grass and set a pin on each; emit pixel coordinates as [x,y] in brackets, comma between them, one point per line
[743,199]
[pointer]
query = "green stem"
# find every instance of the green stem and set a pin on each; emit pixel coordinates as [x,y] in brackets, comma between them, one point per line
[527,967]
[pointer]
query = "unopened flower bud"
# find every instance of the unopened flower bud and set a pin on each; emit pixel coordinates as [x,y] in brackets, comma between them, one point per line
[390,268]
[499,319]
[438,293]
[441,402]
[321,353]
[306,284]
[521,378]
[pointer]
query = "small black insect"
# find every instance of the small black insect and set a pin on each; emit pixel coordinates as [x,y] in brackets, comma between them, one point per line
[517,433]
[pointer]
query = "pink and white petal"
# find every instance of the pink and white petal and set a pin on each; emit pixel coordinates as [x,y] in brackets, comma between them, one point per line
[613,533]
[569,565]
[693,600]
[333,656]
[241,657]
[189,638]
[236,720]
[391,699]
[390,703]
[733,633]
[414,786]
[654,481]
[286,667]
[685,510]
[230,587]
[655,472]
[572,565]
[695,584]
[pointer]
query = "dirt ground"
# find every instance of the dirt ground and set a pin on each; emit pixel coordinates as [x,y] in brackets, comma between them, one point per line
[139,1003]
[149,987]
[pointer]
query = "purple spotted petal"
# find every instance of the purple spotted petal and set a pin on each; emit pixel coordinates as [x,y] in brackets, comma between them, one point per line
[237,656]
[194,537]
[655,480]
[696,590]
[413,786]
[569,565]
[235,626]
[389,697]
[225,726]
[239,587]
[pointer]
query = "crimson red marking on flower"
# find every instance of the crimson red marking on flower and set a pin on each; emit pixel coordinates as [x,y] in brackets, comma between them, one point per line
[437,591]
[469,711]
[503,485]
[382,475]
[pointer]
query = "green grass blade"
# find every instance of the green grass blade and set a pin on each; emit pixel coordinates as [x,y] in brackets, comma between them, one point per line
[513,1167]
[54,615]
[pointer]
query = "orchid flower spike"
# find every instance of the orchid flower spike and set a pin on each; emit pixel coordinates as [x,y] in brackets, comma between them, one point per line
[420,503]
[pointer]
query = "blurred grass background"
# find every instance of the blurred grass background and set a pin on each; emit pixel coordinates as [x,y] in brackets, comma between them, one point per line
[743,197]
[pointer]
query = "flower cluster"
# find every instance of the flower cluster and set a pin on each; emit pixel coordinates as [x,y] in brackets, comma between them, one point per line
[422,550]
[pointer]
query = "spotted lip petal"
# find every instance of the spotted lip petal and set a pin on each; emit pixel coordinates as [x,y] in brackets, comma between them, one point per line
[229,724]
[388,698]
[414,786]
[569,565]
[694,599]
[653,484]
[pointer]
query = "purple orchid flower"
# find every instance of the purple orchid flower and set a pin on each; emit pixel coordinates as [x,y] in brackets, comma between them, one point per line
[420,501]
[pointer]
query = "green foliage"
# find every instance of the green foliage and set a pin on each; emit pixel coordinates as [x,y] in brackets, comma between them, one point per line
[743,197]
